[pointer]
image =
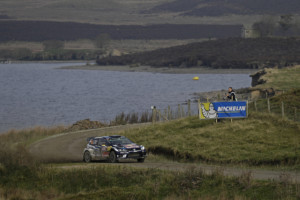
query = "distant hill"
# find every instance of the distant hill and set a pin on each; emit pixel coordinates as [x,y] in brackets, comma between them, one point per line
[227,7]
[224,53]
[46,30]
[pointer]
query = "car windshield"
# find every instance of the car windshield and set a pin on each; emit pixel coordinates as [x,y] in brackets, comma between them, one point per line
[119,140]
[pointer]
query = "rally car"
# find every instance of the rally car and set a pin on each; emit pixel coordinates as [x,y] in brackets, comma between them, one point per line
[112,148]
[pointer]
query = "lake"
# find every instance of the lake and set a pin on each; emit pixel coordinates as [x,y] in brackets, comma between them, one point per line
[40,94]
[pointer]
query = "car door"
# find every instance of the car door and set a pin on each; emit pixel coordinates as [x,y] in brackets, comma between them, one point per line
[97,148]
[104,148]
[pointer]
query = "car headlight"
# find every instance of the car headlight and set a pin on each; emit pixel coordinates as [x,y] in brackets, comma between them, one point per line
[142,148]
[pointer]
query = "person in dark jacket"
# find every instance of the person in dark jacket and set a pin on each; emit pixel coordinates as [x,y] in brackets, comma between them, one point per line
[231,94]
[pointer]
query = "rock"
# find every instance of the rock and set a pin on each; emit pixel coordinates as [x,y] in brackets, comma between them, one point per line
[256,78]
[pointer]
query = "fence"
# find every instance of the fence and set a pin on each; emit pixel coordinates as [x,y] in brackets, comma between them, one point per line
[171,113]
[191,108]
[280,108]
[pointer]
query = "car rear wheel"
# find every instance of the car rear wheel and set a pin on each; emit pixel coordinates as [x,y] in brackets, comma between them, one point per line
[87,157]
[141,160]
[112,157]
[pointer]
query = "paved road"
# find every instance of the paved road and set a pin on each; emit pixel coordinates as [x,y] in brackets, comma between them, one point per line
[68,147]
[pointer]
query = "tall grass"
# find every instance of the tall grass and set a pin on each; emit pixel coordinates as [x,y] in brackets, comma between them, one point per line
[131,118]
[27,136]
[119,182]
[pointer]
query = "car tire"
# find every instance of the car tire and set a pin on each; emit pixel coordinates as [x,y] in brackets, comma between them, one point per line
[141,160]
[87,157]
[112,157]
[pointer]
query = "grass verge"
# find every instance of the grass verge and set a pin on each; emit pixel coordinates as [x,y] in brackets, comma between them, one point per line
[118,182]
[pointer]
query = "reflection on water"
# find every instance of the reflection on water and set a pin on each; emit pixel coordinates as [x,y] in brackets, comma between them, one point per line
[39,94]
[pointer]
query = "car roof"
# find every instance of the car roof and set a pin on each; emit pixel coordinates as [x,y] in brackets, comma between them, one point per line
[111,136]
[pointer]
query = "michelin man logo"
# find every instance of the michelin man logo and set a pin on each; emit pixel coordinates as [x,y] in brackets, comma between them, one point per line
[211,113]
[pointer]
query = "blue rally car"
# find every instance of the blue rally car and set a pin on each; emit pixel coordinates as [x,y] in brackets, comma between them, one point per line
[113,148]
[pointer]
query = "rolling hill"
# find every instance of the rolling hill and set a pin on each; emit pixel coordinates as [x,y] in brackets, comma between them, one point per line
[228,7]
[234,53]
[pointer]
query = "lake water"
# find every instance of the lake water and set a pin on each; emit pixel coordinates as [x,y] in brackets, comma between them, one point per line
[37,94]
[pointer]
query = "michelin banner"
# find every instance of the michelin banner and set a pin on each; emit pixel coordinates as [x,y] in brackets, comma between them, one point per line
[215,110]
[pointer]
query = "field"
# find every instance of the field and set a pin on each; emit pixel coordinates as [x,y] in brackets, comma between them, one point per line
[108,12]
[122,46]
[219,8]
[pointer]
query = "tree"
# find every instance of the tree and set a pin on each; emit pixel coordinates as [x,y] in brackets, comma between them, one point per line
[53,45]
[102,41]
[265,27]
[286,22]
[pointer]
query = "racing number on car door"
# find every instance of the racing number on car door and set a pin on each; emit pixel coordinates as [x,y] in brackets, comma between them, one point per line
[104,148]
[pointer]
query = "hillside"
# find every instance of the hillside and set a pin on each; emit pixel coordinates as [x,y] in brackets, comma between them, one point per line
[96,11]
[224,53]
[229,7]
[47,30]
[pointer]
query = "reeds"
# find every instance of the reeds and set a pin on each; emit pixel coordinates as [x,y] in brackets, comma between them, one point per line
[131,118]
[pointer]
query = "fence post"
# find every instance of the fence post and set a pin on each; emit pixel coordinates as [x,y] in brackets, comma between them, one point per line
[189,107]
[169,113]
[153,115]
[179,112]
[269,107]
[182,112]
[199,107]
[165,114]
[159,115]
[247,106]
[282,109]
[255,106]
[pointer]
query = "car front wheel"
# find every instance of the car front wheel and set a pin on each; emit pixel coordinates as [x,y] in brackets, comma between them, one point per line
[112,157]
[141,160]
[87,157]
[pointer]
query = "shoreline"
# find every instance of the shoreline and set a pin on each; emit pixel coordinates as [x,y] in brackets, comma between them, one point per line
[166,70]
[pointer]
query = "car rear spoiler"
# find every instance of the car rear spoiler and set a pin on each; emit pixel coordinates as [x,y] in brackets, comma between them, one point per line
[89,138]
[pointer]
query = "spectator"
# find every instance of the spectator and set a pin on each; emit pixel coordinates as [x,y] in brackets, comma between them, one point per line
[231,94]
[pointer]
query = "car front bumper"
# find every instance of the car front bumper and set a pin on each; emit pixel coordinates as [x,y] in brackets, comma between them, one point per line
[132,155]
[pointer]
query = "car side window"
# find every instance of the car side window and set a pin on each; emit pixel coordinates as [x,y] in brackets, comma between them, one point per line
[94,142]
[102,141]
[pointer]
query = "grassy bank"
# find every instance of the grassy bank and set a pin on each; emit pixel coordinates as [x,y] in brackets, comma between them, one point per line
[289,100]
[262,139]
[281,79]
